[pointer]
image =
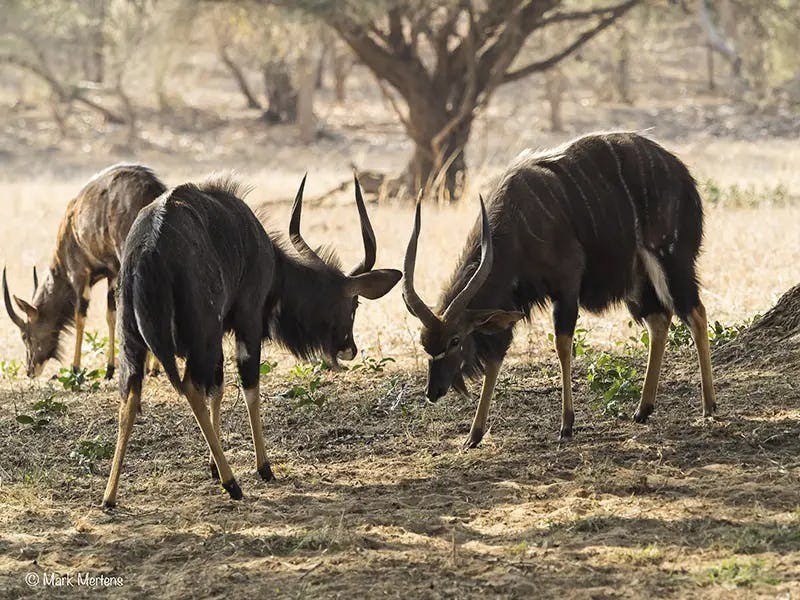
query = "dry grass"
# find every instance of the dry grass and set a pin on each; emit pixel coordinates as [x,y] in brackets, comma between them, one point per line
[374,496]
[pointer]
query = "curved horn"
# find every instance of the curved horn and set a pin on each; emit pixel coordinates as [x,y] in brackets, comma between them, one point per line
[413,302]
[18,321]
[35,281]
[294,228]
[478,278]
[370,244]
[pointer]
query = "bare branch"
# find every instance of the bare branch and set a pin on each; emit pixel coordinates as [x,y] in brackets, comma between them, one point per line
[614,13]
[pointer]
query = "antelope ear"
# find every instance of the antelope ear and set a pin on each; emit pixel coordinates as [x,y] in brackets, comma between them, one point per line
[28,309]
[492,321]
[373,284]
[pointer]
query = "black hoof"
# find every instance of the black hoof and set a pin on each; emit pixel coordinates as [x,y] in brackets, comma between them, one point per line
[75,369]
[233,489]
[214,471]
[109,373]
[565,433]
[641,414]
[265,471]
[473,440]
[107,504]
[710,413]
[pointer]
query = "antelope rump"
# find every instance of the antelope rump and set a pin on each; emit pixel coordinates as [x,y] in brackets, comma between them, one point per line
[198,264]
[607,218]
[89,248]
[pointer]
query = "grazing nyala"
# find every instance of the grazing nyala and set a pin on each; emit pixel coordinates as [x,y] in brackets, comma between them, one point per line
[198,264]
[607,218]
[89,248]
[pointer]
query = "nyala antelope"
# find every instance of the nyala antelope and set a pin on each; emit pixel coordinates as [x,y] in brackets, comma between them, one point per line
[607,218]
[198,264]
[88,248]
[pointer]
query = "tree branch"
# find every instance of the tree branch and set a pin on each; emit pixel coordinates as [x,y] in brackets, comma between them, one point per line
[614,13]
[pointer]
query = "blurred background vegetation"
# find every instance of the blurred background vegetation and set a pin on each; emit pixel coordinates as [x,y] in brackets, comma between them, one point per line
[227,81]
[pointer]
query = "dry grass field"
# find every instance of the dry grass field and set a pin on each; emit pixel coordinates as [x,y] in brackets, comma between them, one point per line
[374,496]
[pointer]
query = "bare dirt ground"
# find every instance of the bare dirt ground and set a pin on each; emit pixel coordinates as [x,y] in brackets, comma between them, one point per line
[374,495]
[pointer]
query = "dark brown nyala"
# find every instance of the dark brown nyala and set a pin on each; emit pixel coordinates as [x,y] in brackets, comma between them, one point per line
[89,248]
[607,218]
[198,264]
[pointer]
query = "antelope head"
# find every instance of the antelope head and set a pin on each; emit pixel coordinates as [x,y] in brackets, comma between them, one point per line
[448,337]
[333,295]
[39,333]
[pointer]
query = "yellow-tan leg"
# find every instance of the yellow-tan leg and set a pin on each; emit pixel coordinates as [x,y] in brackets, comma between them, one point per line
[153,366]
[127,417]
[197,401]
[482,412]
[564,351]
[215,398]
[253,400]
[80,324]
[698,325]
[657,327]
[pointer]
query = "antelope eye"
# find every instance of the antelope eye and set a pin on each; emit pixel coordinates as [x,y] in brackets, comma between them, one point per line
[455,342]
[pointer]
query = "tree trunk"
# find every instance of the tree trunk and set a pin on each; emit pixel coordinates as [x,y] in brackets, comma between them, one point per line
[308,69]
[239,77]
[623,68]
[555,84]
[442,172]
[280,93]
[95,69]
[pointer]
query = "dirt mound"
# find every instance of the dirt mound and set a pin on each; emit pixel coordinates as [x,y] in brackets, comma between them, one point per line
[772,340]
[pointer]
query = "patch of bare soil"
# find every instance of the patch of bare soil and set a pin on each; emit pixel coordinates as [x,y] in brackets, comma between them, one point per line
[374,496]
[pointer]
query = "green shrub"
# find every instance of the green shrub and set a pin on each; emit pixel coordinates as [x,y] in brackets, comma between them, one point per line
[43,410]
[614,381]
[80,380]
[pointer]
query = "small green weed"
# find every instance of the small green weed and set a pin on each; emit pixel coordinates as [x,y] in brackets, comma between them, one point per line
[43,410]
[267,367]
[80,380]
[91,450]
[614,381]
[9,369]
[369,363]
[93,343]
[735,573]
[306,390]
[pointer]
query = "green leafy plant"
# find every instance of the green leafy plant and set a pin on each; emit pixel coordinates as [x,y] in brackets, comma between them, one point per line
[719,334]
[43,410]
[91,450]
[580,346]
[93,343]
[266,367]
[306,390]
[9,369]
[679,336]
[614,381]
[80,380]
[750,196]
[369,363]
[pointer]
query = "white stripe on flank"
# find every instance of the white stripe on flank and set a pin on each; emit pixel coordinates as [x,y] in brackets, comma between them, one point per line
[657,277]
[159,209]
[636,229]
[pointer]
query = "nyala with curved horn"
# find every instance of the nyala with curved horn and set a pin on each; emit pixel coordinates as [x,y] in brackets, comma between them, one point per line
[608,218]
[88,248]
[198,264]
